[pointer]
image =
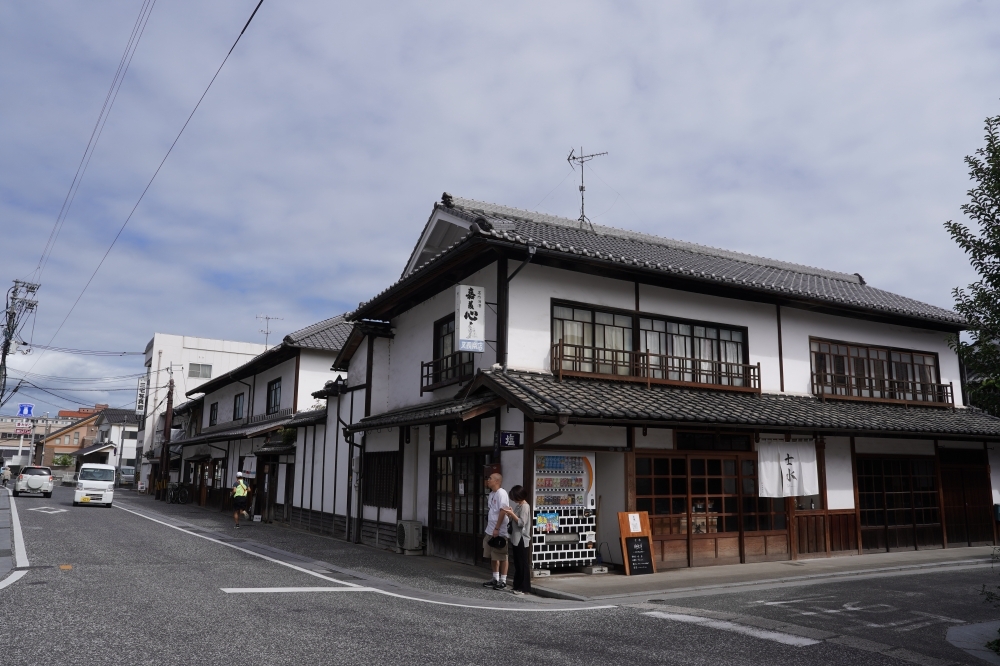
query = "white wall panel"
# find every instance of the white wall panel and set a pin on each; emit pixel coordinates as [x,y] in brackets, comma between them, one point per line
[655,438]
[913,447]
[839,473]
[583,435]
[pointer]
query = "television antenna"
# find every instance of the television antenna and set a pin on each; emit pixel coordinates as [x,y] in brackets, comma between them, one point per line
[582,159]
[267,325]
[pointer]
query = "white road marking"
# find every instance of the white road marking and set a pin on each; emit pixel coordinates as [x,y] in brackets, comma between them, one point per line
[20,556]
[776,636]
[375,590]
[270,590]
[47,509]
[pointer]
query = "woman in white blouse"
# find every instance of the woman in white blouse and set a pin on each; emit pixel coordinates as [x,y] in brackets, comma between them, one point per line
[520,539]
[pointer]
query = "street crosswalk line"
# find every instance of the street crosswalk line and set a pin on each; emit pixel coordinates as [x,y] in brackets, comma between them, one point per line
[270,590]
[765,634]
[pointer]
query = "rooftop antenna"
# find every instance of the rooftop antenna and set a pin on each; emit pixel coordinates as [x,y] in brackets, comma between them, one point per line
[582,159]
[267,325]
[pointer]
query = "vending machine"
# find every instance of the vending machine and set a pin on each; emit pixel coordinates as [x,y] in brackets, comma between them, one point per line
[564,534]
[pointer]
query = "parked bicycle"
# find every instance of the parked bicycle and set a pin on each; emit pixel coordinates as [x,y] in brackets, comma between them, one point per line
[178,494]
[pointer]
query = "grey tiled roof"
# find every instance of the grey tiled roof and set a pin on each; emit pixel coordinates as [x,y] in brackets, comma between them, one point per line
[688,260]
[328,335]
[586,399]
[310,417]
[428,412]
[119,416]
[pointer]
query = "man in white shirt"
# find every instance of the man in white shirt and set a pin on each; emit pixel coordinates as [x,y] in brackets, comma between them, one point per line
[496,525]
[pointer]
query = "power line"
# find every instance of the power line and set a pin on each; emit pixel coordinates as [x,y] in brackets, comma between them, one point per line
[150,183]
[87,352]
[138,28]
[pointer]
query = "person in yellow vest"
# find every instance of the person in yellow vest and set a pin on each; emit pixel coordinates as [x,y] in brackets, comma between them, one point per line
[240,492]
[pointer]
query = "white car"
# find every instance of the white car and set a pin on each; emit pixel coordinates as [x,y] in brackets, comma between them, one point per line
[34,480]
[95,485]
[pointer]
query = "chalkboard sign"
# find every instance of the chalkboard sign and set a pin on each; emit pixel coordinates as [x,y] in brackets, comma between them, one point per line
[637,542]
[640,556]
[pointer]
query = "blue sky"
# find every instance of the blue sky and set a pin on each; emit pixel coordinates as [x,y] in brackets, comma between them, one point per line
[830,134]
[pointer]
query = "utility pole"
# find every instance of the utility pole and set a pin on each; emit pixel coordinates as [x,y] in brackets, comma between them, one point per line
[18,305]
[40,456]
[582,159]
[161,489]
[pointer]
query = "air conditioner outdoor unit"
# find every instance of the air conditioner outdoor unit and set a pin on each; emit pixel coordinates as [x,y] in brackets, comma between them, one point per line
[409,534]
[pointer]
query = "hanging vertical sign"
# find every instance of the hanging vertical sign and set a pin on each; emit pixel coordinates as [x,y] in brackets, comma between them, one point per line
[787,469]
[470,318]
[140,397]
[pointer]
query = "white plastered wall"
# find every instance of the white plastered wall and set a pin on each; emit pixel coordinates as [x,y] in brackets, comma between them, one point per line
[839,473]
[314,372]
[655,438]
[413,344]
[875,445]
[583,435]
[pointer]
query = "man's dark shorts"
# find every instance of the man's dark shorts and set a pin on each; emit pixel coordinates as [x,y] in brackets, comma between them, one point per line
[239,503]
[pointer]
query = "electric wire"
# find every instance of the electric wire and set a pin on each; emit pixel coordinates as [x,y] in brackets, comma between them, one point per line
[87,352]
[148,185]
[138,28]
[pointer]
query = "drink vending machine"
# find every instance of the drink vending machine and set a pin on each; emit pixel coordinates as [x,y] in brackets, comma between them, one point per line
[565,513]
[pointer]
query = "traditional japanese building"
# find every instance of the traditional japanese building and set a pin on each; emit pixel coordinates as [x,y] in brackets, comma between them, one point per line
[667,370]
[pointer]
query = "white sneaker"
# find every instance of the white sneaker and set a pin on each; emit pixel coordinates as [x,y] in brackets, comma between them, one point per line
[519,593]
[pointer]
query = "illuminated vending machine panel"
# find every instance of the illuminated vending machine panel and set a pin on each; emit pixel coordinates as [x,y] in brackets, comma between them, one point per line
[565,515]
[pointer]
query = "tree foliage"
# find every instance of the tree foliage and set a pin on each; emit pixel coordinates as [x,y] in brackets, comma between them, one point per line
[980,302]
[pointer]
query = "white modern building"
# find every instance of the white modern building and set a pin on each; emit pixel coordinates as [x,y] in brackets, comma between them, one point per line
[191,361]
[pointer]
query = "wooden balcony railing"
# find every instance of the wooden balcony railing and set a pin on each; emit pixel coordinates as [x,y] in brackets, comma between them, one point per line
[830,386]
[450,369]
[650,368]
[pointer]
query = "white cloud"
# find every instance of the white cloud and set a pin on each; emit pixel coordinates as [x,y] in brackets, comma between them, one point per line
[830,135]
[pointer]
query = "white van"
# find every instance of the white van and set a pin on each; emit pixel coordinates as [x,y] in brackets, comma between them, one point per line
[95,485]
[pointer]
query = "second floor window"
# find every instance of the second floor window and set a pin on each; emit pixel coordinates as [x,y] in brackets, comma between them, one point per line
[862,371]
[213,414]
[592,340]
[447,364]
[273,396]
[614,343]
[238,406]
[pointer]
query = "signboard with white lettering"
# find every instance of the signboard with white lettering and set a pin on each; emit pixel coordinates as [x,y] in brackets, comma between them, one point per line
[25,410]
[22,428]
[470,318]
[140,397]
[510,438]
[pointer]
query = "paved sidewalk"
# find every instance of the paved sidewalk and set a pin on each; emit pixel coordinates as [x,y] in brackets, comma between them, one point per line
[700,581]
[430,574]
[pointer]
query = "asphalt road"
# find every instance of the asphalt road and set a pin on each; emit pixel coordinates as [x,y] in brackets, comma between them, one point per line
[111,587]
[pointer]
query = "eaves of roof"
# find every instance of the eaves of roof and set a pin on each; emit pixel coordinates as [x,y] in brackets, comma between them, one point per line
[544,397]
[659,259]
[428,412]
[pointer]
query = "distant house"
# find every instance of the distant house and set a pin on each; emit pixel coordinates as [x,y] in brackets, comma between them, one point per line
[70,440]
[117,430]
[236,422]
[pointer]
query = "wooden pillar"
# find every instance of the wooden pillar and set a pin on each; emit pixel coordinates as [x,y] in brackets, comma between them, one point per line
[821,462]
[857,501]
[940,489]
[528,463]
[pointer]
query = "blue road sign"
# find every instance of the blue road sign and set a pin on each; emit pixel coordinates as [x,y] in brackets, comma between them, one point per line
[26,410]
